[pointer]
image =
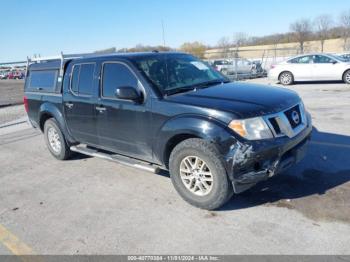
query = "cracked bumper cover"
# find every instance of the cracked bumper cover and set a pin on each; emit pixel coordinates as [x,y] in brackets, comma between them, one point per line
[251,162]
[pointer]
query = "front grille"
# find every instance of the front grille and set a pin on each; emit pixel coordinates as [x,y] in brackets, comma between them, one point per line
[294,116]
[275,125]
[289,122]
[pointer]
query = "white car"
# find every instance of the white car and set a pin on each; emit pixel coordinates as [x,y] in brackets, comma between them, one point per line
[345,56]
[312,67]
[3,75]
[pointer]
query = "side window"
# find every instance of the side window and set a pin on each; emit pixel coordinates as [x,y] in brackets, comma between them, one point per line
[116,75]
[44,80]
[82,79]
[293,61]
[301,60]
[304,60]
[86,78]
[321,59]
[75,78]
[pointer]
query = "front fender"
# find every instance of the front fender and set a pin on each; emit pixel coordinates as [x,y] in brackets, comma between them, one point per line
[198,126]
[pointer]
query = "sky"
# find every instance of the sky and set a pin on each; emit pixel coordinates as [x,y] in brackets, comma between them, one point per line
[47,27]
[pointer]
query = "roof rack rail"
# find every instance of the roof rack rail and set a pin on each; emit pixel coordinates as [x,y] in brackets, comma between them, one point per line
[61,57]
[57,57]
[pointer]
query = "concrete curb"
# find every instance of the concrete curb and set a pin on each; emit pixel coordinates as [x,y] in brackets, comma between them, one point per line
[11,104]
[15,122]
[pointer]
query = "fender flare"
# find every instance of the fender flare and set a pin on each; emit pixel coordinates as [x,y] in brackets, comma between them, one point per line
[191,126]
[53,111]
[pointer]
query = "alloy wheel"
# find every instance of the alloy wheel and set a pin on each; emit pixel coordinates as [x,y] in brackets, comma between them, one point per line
[347,78]
[286,78]
[54,140]
[196,175]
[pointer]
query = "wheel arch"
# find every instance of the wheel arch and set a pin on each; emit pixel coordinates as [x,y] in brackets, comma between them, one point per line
[343,75]
[173,142]
[43,118]
[285,71]
[181,128]
[49,110]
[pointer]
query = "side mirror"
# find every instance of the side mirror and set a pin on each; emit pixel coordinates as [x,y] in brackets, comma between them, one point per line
[127,93]
[334,62]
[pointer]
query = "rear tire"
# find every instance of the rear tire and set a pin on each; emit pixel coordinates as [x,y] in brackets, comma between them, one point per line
[198,174]
[346,77]
[55,140]
[286,78]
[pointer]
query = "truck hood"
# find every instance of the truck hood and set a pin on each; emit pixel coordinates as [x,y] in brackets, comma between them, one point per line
[242,99]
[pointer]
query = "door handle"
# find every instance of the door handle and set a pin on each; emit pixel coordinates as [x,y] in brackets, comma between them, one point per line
[100,109]
[69,105]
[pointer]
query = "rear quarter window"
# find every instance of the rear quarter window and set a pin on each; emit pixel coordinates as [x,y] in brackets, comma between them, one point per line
[43,80]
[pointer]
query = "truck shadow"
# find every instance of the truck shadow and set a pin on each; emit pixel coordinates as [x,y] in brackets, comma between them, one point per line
[317,186]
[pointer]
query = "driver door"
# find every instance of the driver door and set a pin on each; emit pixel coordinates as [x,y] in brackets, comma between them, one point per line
[325,68]
[122,125]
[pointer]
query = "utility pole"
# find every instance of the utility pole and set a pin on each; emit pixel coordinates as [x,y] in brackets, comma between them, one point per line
[163,33]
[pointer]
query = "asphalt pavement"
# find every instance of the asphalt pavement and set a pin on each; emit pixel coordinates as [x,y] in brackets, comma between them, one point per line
[92,206]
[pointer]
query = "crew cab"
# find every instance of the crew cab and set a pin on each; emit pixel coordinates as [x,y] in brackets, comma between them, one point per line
[167,111]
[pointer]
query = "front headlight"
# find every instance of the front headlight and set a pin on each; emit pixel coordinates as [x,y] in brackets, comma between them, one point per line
[251,128]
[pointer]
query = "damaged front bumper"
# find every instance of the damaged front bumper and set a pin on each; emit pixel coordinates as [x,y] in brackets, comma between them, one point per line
[251,162]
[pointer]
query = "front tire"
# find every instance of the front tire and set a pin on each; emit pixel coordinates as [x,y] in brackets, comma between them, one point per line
[224,71]
[346,77]
[55,140]
[286,78]
[198,174]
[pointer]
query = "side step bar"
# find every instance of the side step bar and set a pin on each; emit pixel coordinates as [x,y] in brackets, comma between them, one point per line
[115,158]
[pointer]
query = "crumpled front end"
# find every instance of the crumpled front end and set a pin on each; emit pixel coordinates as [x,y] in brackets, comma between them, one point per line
[250,162]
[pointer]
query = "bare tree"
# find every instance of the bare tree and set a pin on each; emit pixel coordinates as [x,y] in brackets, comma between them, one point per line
[323,23]
[301,29]
[344,20]
[239,39]
[276,39]
[224,44]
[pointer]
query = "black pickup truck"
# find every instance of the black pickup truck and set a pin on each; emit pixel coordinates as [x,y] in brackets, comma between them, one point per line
[167,111]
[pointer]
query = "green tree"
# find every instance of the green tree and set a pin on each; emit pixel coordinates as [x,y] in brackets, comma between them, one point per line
[195,48]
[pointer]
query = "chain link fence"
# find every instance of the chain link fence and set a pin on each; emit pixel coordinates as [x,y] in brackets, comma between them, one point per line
[247,62]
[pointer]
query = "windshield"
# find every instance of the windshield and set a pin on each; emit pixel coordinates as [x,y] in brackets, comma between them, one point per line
[172,73]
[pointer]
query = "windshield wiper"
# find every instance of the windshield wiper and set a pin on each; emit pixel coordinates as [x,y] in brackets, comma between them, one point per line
[196,86]
[211,83]
[179,90]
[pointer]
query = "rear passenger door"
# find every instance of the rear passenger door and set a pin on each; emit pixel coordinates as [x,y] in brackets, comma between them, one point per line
[123,124]
[79,103]
[301,68]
